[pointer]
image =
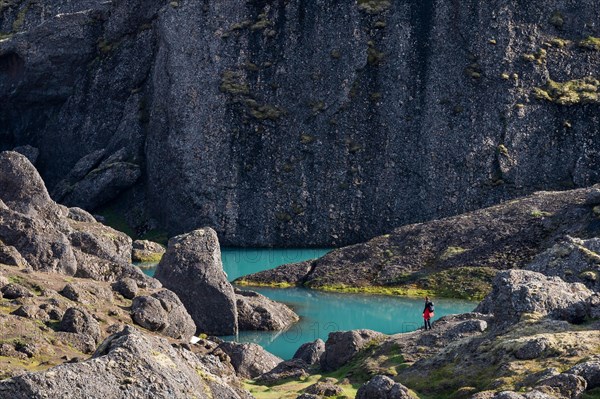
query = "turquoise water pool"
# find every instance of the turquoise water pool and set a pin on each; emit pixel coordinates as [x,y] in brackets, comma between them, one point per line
[323,312]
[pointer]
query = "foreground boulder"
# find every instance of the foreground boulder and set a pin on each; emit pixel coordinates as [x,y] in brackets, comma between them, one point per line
[163,312]
[249,360]
[257,312]
[382,387]
[127,365]
[52,238]
[517,292]
[589,370]
[341,346]
[192,269]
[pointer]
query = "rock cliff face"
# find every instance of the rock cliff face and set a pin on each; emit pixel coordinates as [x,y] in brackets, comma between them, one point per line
[302,123]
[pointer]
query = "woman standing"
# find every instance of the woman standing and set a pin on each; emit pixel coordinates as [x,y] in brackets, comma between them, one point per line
[428,313]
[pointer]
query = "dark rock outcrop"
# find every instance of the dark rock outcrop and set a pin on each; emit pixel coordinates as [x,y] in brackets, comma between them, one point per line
[348,138]
[382,387]
[127,365]
[468,248]
[324,388]
[257,312]
[311,352]
[163,312]
[341,346]
[517,292]
[249,360]
[192,269]
[51,237]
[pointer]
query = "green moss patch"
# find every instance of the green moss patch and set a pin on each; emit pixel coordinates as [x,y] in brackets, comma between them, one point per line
[472,283]
[590,43]
[374,6]
[572,92]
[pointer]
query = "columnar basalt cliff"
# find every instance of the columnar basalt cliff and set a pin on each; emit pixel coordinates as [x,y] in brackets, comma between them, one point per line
[301,123]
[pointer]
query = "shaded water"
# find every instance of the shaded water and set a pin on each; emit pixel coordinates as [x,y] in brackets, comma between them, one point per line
[323,312]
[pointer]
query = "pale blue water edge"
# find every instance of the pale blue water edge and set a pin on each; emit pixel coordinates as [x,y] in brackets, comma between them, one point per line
[323,312]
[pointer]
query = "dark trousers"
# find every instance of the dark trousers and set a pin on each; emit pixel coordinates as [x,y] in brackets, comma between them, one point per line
[427,324]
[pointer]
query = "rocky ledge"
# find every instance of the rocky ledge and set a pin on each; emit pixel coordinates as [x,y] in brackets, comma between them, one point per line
[459,256]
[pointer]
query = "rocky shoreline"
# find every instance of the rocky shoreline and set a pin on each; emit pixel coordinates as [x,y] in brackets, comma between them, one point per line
[459,256]
[79,321]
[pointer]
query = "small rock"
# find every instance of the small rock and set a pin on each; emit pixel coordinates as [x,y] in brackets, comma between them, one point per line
[163,312]
[532,349]
[15,291]
[147,312]
[308,396]
[8,350]
[257,312]
[146,251]
[290,369]
[11,257]
[311,352]
[126,287]
[31,312]
[79,321]
[382,387]
[341,346]
[324,389]
[249,360]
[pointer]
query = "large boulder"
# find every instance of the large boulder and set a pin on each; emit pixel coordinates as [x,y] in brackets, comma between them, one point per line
[192,269]
[311,352]
[249,360]
[382,387]
[341,346]
[163,312]
[517,292]
[21,187]
[573,260]
[257,312]
[127,365]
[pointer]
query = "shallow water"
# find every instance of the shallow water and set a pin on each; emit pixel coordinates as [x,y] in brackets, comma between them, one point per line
[324,312]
